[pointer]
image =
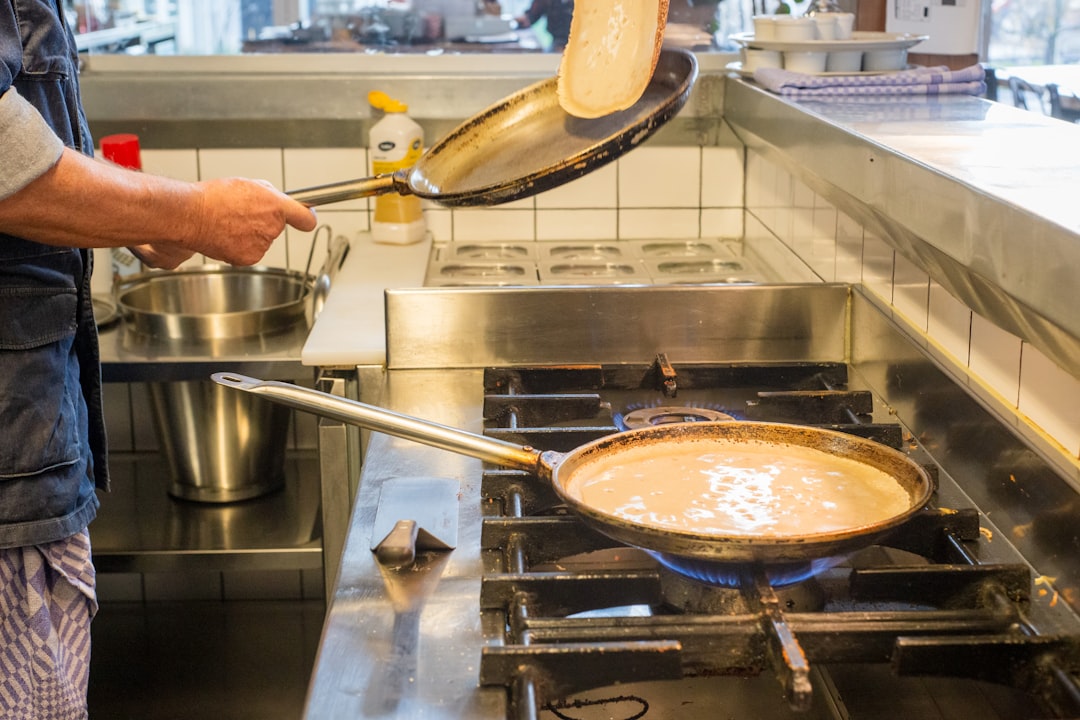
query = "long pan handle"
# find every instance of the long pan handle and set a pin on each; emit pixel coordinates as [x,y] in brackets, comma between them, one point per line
[491,450]
[352,189]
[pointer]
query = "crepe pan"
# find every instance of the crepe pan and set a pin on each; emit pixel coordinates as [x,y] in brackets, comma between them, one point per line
[525,144]
[702,555]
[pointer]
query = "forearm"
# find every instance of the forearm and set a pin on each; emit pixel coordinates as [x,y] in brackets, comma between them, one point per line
[82,202]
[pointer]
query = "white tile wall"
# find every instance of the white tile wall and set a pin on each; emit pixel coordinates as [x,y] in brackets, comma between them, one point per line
[995,358]
[849,249]
[949,324]
[997,364]
[1050,397]
[659,177]
[598,189]
[653,191]
[911,291]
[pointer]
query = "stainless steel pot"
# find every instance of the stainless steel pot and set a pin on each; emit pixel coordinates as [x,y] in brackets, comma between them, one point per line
[682,550]
[219,447]
[213,302]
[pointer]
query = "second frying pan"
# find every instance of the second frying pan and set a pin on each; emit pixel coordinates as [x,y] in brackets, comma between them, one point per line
[525,144]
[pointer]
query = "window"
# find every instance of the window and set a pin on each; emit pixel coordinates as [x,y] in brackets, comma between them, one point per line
[1034,32]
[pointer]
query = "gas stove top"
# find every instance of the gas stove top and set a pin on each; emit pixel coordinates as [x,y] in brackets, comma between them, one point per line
[580,611]
[967,608]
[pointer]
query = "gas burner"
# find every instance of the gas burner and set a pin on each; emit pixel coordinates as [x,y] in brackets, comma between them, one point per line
[664,415]
[687,595]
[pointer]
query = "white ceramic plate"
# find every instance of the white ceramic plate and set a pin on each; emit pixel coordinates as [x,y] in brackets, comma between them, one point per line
[860,40]
[737,67]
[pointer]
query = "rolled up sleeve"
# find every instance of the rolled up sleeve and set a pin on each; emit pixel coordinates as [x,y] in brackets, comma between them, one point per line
[37,147]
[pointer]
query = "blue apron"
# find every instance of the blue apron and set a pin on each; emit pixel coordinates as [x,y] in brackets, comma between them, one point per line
[53,450]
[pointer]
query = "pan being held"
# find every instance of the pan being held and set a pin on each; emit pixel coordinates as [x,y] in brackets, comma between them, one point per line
[717,501]
[526,144]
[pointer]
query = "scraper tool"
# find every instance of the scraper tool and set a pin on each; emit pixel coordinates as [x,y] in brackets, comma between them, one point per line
[415,513]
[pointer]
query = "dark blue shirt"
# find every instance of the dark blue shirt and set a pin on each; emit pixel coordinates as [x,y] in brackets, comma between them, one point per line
[52,450]
[558,14]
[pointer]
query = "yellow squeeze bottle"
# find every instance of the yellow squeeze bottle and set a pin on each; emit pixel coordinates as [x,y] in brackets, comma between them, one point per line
[396,142]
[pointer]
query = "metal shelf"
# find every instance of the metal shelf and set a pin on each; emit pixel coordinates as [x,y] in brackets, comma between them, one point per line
[141,528]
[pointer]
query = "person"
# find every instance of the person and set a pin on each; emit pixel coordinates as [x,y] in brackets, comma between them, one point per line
[57,203]
[557,14]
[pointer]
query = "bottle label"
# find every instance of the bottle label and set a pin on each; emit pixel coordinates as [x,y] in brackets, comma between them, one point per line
[382,164]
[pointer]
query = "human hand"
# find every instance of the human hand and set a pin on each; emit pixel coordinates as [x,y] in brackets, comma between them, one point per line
[164,256]
[238,219]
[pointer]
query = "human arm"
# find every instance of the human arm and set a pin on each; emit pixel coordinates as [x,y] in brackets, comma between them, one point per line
[81,202]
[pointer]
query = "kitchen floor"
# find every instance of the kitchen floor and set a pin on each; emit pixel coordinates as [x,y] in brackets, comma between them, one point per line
[222,660]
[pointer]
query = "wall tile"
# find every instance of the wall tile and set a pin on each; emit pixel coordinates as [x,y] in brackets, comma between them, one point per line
[598,189]
[722,222]
[722,177]
[849,249]
[784,188]
[760,181]
[528,203]
[822,241]
[995,357]
[440,223]
[308,167]
[635,224]
[659,177]
[176,164]
[911,291]
[1051,398]
[802,196]
[494,224]
[949,323]
[801,239]
[577,224]
[877,272]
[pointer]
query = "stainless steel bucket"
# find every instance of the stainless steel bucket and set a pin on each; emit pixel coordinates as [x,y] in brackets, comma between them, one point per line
[220,447]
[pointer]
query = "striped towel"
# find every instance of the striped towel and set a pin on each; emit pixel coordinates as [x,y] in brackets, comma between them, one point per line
[47,599]
[917,81]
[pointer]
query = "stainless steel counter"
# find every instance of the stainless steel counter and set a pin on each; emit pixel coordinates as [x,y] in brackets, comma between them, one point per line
[141,528]
[977,193]
[407,644]
[127,356]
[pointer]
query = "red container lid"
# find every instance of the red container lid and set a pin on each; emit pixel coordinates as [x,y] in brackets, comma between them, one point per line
[122,149]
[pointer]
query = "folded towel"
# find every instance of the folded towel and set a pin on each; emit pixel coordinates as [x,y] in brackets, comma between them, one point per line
[917,81]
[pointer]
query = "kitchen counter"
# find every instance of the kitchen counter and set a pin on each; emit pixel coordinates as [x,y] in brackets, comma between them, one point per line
[127,356]
[350,330]
[979,194]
